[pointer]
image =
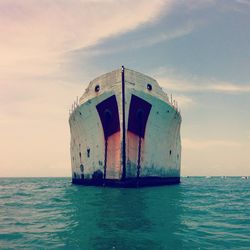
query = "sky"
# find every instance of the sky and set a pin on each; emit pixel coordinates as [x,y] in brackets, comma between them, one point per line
[199,51]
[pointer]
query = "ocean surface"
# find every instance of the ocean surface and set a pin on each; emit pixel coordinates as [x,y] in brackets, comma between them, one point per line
[200,213]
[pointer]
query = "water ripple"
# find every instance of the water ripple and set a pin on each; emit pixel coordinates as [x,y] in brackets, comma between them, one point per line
[199,213]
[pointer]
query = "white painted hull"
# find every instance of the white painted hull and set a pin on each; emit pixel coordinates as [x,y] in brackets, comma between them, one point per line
[160,148]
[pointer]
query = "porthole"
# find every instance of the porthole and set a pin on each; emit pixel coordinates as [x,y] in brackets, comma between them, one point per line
[149,86]
[97,88]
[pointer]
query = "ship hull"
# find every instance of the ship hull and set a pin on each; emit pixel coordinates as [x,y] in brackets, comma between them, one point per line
[124,134]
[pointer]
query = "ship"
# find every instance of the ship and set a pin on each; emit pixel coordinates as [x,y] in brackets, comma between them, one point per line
[125,132]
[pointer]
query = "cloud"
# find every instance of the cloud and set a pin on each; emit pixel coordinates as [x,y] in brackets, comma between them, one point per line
[229,87]
[183,101]
[205,144]
[35,34]
[157,38]
[197,84]
[169,35]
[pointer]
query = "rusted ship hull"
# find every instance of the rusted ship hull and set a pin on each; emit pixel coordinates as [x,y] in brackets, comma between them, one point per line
[125,132]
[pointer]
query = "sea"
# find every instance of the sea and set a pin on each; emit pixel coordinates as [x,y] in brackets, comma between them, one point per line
[51,213]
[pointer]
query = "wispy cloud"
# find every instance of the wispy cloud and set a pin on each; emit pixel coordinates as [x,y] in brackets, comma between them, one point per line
[35,34]
[205,86]
[204,144]
[229,87]
[160,37]
[183,101]
[173,81]
[178,32]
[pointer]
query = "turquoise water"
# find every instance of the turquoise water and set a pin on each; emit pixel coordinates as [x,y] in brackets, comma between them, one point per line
[51,213]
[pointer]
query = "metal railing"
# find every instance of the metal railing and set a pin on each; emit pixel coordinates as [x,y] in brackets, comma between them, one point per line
[74,106]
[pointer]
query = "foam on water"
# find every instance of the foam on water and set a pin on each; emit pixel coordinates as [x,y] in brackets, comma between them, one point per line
[51,213]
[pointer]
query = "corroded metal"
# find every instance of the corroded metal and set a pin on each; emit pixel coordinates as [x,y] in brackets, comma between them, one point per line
[125,131]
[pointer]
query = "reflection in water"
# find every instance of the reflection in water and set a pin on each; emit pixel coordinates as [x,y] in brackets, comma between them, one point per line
[108,218]
[122,222]
[165,212]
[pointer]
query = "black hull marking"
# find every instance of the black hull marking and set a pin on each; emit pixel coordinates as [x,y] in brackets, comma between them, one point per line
[129,182]
[109,116]
[138,115]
